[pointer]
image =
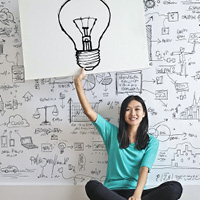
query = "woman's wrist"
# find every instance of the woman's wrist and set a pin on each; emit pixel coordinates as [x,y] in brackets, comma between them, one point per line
[137,193]
[77,80]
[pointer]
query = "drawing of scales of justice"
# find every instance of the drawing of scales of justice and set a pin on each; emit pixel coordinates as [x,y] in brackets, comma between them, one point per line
[87,30]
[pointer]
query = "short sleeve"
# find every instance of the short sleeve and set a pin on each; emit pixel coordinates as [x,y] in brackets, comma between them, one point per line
[150,152]
[104,128]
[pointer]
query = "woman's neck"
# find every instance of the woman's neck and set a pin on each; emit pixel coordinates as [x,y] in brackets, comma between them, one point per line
[132,133]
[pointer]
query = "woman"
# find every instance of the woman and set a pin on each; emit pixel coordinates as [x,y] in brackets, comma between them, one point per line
[131,153]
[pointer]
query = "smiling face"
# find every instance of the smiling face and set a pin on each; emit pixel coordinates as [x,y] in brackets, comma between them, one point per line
[134,113]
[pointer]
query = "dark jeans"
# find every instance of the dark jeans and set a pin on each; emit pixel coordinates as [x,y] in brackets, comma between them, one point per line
[170,190]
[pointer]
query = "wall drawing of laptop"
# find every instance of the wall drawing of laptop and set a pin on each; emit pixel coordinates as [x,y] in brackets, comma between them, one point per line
[28,143]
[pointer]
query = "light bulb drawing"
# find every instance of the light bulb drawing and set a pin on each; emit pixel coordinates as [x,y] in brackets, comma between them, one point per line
[61,146]
[37,115]
[85,22]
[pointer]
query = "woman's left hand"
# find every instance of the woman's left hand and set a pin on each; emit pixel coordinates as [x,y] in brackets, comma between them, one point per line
[134,198]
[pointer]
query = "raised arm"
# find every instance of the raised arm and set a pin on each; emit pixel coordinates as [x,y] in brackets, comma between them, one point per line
[87,109]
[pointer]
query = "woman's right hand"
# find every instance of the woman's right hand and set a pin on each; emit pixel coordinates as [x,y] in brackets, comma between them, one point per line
[80,76]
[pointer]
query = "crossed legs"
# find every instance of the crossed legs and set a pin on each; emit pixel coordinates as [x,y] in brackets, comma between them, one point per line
[170,190]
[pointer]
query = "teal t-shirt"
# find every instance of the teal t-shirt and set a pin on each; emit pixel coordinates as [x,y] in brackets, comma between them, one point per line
[124,164]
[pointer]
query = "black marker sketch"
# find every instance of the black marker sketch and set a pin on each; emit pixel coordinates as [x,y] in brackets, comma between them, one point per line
[149,40]
[85,27]
[17,121]
[61,147]
[184,176]
[37,84]
[9,169]
[165,69]
[98,146]
[157,18]
[61,82]
[112,104]
[89,82]
[173,16]
[182,60]
[74,179]
[149,3]
[79,178]
[194,38]
[2,111]
[104,79]
[165,31]
[37,115]
[76,112]
[191,112]
[7,141]
[45,162]
[187,2]
[161,94]
[96,172]
[186,159]
[11,142]
[27,97]
[81,162]
[54,137]
[12,105]
[162,132]
[152,111]
[9,61]
[13,172]
[46,131]
[27,142]
[159,80]
[180,88]
[7,22]
[6,17]
[78,146]
[62,97]
[197,76]
[4,141]
[6,87]
[2,42]
[72,168]
[18,74]
[129,82]
[46,147]
[183,156]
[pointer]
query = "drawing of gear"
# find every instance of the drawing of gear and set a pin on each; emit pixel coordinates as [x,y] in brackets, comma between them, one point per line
[150,3]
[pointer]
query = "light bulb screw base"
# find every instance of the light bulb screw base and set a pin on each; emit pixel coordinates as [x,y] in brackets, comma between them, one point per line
[88,59]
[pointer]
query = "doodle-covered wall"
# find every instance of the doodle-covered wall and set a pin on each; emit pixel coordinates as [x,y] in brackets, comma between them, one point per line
[45,137]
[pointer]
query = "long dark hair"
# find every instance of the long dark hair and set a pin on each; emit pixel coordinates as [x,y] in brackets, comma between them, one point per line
[142,137]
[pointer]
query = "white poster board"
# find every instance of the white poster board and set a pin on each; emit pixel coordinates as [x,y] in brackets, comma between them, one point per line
[56,35]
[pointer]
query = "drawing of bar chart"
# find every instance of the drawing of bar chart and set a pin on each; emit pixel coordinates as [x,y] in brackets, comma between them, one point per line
[76,111]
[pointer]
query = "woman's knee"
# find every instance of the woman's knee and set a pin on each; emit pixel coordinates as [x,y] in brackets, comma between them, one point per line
[176,189]
[91,187]
[91,184]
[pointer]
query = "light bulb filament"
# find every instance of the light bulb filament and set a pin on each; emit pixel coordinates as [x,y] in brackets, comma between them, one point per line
[85,26]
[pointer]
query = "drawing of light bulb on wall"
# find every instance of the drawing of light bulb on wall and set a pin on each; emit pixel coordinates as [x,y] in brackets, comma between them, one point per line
[85,22]
[61,146]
